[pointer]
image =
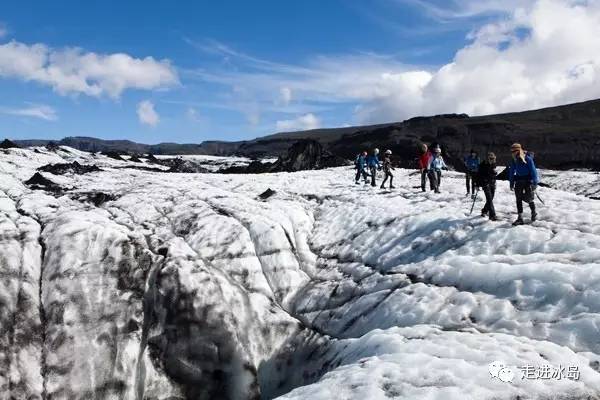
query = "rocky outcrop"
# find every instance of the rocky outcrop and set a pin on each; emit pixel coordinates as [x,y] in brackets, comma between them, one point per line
[74,168]
[301,156]
[8,144]
[306,155]
[39,182]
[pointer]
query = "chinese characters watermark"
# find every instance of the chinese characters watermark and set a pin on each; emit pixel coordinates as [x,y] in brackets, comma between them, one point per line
[505,373]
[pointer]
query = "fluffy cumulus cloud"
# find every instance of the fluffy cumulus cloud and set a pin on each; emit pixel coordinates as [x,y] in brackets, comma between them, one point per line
[32,111]
[147,114]
[303,122]
[534,54]
[74,71]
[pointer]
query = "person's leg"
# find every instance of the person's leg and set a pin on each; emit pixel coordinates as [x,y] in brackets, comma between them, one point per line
[423,179]
[431,176]
[468,178]
[489,191]
[438,179]
[473,185]
[384,180]
[357,175]
[529,198]
[373,176]
[486,208]
[519,192]
[391,179]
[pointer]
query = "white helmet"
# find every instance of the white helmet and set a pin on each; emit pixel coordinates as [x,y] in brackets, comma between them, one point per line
[376,151]
[388,152]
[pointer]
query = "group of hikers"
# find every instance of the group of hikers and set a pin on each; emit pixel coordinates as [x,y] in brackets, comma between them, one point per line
[522,175]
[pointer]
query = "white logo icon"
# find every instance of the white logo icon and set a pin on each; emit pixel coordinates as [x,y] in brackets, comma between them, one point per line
[499,370]
[506,375]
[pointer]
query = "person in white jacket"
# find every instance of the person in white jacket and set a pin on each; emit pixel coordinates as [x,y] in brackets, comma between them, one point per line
[434,167]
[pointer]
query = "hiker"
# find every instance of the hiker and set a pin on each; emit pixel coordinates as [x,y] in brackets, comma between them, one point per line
[472,165]
[486,179]
[387,169]
[523,178]
[423,163]
[373,164]
[435,166]
[360,163]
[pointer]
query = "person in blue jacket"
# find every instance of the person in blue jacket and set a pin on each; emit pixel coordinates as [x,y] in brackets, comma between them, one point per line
[523,178]
[360,163]
[373,164]
[472,165]
[435,166]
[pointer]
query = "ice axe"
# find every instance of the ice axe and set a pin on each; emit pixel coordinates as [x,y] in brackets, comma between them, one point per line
[539,198]
[474,200]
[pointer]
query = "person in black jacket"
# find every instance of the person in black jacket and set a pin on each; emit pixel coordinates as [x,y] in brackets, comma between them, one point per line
[486,179]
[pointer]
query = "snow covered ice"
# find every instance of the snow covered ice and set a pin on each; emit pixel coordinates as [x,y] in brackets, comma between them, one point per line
[190,286]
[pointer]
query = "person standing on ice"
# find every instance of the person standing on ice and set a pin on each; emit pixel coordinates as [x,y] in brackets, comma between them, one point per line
[361,163]
[373,164]
[435,166]
[472,165]
[423,163]
[486,179]
[523,178]
[387,169]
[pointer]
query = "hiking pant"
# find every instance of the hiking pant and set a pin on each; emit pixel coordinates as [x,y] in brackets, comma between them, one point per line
[523,193]
[470,176]
[489,191]
[373,175]
[424,179]
[435,179]
[390,175]
[359,172]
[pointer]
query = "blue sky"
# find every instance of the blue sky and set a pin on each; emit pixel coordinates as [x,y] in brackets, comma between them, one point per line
[188,71]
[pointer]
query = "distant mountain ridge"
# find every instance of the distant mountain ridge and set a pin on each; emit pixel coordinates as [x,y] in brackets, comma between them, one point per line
[562,137]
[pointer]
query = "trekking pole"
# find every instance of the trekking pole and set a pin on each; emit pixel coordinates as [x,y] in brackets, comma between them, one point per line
[474,200]
[539,198]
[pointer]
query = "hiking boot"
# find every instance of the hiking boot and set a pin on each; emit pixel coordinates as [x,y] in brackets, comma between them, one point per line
[392,187]
[484,213]
[533,217]
[518,221]
[493,218]
[437,190]
[381,187]
[357,182]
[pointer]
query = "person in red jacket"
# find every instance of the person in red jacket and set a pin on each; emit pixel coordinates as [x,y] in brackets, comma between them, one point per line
[423,162]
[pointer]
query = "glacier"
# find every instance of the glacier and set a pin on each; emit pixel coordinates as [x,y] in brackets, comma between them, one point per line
[127,283]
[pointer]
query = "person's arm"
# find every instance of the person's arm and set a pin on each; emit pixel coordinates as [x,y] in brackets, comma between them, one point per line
[535,179]
[511,178]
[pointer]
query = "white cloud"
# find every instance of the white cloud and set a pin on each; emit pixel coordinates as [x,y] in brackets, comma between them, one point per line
[303,122]
[146,113]
[192,114]
[285,95]
[542,54]
[33,111]
[463,9]
[73,71]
